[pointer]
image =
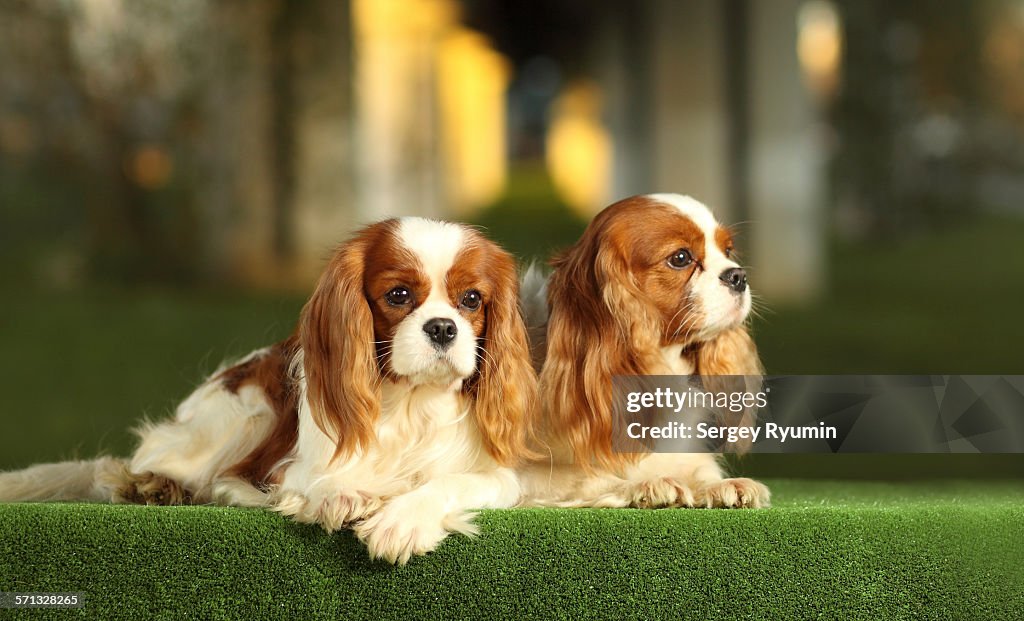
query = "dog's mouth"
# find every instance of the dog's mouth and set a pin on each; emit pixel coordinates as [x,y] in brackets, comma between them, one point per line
[740,311]
[440,369]
[732,317]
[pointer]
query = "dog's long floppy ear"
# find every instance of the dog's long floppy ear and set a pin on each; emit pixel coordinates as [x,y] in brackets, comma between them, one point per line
[732,353]
[339,358]
[505,387]
[597,328]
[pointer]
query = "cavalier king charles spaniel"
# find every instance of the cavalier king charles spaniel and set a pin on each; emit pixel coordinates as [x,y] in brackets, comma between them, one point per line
[401,403]
[651,288]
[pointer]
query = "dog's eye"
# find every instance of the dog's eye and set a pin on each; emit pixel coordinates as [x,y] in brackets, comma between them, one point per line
[728,253]
[680,259]
[471,300]
[399,296]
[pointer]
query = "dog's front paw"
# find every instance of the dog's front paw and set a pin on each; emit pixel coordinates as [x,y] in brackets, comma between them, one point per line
[332,511]
[347,507]
[148,488]
[659,493]
[402,530]
[738,493]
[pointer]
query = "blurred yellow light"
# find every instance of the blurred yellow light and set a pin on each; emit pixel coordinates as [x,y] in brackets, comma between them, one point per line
[431,98]
[402,17]
[579,148]
[472,80]
[150,167]
[1003,53]
[1004,46]
[820,45]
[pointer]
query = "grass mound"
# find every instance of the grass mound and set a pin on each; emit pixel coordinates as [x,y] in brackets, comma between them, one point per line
[849,550]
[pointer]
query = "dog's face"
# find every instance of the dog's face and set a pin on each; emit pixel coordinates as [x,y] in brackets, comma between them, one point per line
[672,255]
[429,286]
[417,302]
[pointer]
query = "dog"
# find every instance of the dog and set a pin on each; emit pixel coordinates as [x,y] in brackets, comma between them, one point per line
[402,401]
[653,287]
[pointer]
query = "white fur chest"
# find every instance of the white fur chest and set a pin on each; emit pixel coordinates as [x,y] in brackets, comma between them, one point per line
[422,432]
[675,362]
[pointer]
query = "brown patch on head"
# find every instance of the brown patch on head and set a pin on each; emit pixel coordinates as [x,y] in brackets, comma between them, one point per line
[723,239]
[388,264]
[270,373]
[473,270]
[629,245]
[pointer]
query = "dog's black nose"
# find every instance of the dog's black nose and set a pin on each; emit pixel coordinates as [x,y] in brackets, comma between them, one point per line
[441,331]
[734,278]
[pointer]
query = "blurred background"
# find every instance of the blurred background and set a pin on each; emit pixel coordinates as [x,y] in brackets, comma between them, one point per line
[173,176]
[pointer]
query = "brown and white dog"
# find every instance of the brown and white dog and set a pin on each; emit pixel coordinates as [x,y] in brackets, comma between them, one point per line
[651,288]
[401,403]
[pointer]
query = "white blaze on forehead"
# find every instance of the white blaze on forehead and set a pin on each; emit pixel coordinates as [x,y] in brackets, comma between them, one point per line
[693,209]
[413,354]
[699,214]
[716,301]
[436,244]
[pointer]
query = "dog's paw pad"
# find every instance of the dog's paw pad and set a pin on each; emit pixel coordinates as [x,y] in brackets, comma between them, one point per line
[396,539]
[739,493]
[345,508]
[661,492]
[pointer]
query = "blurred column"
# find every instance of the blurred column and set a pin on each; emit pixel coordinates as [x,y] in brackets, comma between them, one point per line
[399,171]
[236,196]
[690,118]
[472,81]
[622,62]
[786,197]
[661,64]
[324,208]
[278,147]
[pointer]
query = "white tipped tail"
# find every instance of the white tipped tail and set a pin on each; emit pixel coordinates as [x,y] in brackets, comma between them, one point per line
[95,479]
[533,299]
[533,295]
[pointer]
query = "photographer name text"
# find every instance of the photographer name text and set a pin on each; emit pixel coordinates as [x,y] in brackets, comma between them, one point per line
[708,431]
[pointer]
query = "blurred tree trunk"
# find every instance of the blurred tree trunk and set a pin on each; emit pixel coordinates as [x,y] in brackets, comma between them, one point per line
[243,109]
[277,114]
[323,206]
[786,160]
[903,63]
[72,138]
[236,188]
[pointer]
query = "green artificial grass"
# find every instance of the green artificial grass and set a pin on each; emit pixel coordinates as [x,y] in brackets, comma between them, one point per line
[836,550]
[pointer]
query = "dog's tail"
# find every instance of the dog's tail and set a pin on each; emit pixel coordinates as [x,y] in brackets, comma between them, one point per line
[533,298]
[95,479]
[533,294]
